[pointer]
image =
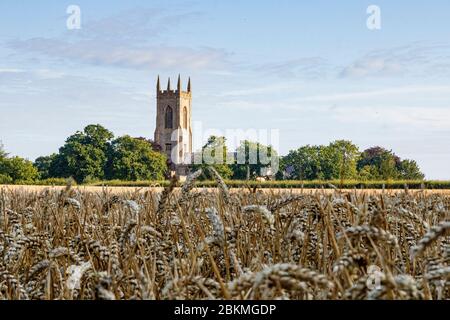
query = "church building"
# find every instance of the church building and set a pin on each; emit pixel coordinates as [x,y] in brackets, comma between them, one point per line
[173,125]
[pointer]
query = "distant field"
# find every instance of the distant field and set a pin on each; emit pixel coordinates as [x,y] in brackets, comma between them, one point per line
[118,189]
[297,184]
[278,184]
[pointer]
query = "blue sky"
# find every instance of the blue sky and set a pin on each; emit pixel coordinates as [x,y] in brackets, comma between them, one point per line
[311,69]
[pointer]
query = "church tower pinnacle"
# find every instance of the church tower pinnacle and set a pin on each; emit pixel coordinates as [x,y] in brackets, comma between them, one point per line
[173,124]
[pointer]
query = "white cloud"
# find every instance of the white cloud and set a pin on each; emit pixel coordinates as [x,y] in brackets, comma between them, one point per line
[126,40]
[306,67]
[113,54]
[137,24]
[404,91]
[425,118]
[260,90]
[10,70]
[415,59]
[372,66]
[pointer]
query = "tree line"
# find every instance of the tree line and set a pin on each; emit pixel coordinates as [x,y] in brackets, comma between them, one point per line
[343,160]
[340,159]
[90,155]
[94,154]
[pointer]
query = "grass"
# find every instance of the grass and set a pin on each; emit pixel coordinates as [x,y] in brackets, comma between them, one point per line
[190,244]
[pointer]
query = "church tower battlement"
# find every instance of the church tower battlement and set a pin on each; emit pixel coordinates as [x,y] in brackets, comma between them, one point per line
[173,123]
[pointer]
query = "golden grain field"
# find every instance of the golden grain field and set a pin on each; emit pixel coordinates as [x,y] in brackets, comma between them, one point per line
[78,243]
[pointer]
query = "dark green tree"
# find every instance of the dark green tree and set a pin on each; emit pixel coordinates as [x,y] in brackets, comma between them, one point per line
[385,162]
[45,166]
[409,170]
[134,159]
[83,156]
[304,163]
[252,158]
[214,153]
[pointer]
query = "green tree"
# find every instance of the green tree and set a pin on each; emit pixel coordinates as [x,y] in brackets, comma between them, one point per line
[215,154]
[4,178]
[3,153]
[135,159]
[385,162]
[409,170]
[252,159]
[388,166]
[18,170]
[303,163]
[83,156]
[45,166]
[15,169]
[338,160]
[368,173]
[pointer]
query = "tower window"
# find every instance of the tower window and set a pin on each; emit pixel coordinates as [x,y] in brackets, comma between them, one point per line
[185,117]
[169,118]
[168,148]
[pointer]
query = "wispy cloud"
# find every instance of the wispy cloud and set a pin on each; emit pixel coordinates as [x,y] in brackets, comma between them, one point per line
[136,24]
[372,66]
[305,67]
[416,59]
[114,54]
[404,91]
[40,86]
[10,70]
[424,118]
[126,40]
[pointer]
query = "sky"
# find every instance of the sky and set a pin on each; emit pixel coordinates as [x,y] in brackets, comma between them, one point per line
[311,69]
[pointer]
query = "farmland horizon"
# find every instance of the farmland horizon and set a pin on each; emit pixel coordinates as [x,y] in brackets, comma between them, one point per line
[225,158]
[373,74]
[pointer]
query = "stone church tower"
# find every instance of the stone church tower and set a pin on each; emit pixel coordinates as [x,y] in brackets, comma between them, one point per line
[173,125]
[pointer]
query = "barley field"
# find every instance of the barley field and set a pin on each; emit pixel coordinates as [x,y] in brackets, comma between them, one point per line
[189,243]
